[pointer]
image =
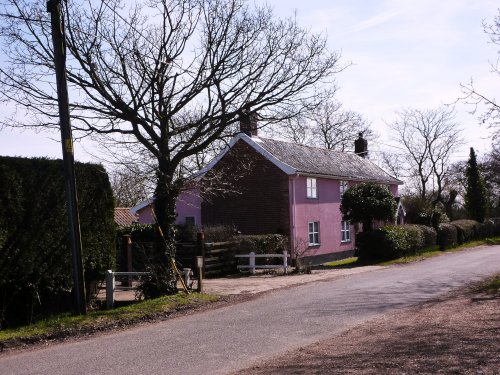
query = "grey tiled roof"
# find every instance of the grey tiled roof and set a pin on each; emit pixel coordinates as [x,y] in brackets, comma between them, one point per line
[323,162]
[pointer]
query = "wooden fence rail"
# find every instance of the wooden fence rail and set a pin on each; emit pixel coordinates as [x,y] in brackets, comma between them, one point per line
[252,266]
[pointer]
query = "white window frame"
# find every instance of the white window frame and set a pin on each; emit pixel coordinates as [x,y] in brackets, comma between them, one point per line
[343,186]
[313,229]
[345,231]
[312,187]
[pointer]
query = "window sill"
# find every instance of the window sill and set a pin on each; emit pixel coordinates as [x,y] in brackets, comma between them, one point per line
[346,241]
[314,245]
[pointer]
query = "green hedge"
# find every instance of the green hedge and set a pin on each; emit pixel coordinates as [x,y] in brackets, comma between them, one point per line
[260,243]
[390,242]
[429,234]
[447,236]
[467,230]
[35,261]
[496,225]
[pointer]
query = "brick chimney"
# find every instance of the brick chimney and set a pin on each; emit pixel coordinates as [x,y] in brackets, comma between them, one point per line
[248,123]
[361,146]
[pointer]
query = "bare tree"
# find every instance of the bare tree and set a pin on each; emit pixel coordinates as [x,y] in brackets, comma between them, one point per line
[478,100]
[169,76]
[129,187]
[327,125]
[428,137]
[336,129]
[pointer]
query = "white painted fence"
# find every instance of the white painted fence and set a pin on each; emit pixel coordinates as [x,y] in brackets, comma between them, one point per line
[111,285]
[252,266]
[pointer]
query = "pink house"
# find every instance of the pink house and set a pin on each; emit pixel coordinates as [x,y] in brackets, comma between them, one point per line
[294,190]
[188,208]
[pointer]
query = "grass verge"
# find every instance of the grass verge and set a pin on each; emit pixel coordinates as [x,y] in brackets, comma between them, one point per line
[490,286]
[65,325]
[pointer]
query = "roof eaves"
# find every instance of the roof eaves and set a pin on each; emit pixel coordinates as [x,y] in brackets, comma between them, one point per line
[141,205]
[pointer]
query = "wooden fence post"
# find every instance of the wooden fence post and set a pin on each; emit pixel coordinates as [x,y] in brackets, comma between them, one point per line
[110,289]
[285,260]
[127,245]
[252,262]
[200,249]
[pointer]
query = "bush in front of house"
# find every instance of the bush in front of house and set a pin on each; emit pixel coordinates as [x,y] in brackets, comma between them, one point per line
[446,236]
[35,262]
[390,242]
[219,233]
[260,243]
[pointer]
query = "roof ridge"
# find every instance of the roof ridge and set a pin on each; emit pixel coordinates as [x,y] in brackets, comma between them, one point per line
[308,146]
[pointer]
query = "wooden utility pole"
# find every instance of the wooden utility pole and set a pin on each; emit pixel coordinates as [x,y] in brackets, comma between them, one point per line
[54,8]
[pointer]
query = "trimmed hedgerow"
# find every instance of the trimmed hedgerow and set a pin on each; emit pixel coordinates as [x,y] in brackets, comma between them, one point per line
[35,261]
[138,232]
[218,233]
[390,242]
[429,234]
[260,243]
[496,225]
[446,236]
[467,230]
[486,229]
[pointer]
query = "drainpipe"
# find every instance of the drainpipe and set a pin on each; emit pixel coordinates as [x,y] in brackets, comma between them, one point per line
[293,234]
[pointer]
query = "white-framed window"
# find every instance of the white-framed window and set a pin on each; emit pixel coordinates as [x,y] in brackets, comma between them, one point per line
[344,185]
[345,230]
[312,191]
[313,233]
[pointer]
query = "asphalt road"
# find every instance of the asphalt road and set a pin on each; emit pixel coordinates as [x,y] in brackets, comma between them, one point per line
[235,337]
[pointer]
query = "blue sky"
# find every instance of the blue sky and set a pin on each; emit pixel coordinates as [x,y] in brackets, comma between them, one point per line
[404,53]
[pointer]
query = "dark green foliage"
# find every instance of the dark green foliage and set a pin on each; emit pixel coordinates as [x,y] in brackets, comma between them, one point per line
[496,226]
[432,217]
[417,209]
[391,242]
[35,269]
[429,234]
[218,233]
[447,236]
[486,229]
[138,232]
[367,202]
[467,230]
[476,199]
[260,243]
[186,233]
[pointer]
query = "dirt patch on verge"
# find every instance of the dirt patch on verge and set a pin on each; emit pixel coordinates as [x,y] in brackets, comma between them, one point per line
[456,334]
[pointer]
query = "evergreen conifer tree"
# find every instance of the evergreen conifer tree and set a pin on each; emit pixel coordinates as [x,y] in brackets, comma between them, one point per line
[476,201]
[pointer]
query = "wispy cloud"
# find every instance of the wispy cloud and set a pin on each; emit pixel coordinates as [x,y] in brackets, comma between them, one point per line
[376,20]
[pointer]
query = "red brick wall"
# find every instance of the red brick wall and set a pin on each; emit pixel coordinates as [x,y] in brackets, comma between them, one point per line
[262,202]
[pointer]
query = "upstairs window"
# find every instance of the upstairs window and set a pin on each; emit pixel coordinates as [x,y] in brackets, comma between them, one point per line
[312,191]
[344,185]
[313,233]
